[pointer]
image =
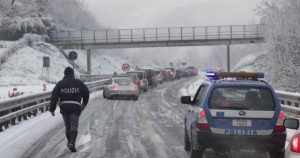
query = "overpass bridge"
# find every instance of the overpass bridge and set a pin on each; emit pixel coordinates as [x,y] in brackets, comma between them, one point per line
[158,37]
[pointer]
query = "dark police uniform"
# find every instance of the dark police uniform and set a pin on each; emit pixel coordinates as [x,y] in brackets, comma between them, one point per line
[73,96]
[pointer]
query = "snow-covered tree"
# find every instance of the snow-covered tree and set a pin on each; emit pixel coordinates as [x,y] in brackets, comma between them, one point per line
[42,16]
[282,25]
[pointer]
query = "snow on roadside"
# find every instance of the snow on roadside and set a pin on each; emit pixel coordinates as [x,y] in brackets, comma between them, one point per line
[15,140]
[26,89]
[191,89]
[247,60]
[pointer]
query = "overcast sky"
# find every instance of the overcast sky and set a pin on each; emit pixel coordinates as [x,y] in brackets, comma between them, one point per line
[156,13]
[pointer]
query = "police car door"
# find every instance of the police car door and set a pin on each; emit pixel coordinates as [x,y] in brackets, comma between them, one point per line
[197,103]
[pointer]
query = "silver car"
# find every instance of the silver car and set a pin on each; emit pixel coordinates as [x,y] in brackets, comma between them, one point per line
[121,87]
[293,149]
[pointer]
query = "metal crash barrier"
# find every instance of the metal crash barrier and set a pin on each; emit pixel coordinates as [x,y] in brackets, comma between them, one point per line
[14,111]
[290,102]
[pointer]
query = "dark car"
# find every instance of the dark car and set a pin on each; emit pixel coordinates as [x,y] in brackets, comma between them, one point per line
[191,71]
[173,72]
[143,85]
[159,76]
[179,74]
[150,74]
[230,115]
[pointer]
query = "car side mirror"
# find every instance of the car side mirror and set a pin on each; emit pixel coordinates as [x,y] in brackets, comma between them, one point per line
[186,100]
[291,123]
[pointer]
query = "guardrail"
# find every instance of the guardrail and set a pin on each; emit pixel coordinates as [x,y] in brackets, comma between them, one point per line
[18,109]
[158,34]
[290,102]
[91,78]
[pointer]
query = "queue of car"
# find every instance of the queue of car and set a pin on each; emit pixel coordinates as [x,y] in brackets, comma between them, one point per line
[131,83]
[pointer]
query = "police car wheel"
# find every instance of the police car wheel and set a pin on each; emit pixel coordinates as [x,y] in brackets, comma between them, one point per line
[276,154]
[194,152]
[187,143]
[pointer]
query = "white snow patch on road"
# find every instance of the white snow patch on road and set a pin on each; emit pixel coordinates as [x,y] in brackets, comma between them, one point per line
[84,139]
[191,89]
[15,140]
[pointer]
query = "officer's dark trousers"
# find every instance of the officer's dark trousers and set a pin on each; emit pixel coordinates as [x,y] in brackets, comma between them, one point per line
[71,124]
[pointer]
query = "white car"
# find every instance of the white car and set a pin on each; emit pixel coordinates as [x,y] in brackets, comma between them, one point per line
[293,149]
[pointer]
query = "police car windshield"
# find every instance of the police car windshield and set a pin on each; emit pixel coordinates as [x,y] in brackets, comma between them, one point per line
[123,81]
[242,98]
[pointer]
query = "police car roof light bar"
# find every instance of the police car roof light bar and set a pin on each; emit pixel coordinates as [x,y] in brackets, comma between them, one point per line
[243,75]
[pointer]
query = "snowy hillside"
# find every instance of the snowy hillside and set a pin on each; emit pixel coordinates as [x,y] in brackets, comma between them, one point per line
[24,65]
[102,63]
[260,63]
[22,62]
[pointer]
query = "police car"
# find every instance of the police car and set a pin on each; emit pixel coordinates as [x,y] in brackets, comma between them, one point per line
[234,111]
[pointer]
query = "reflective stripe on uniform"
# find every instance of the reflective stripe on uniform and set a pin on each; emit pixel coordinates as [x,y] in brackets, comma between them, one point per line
[71,102]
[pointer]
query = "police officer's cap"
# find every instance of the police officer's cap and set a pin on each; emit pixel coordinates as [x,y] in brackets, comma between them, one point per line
[69,71]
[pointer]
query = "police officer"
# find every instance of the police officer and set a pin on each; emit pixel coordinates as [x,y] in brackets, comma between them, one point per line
[73,96]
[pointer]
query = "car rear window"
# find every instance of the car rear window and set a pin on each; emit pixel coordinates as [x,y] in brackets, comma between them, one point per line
[139,74]
[123,81]
[242,98]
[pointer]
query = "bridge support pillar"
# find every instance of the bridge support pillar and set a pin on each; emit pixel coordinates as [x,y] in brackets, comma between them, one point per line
[88,58]
[228,58]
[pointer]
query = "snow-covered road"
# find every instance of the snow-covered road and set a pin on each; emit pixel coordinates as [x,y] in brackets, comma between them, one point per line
[151,127]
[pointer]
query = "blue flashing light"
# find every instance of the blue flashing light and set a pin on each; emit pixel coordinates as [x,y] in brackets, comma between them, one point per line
[211,74]
[214,75]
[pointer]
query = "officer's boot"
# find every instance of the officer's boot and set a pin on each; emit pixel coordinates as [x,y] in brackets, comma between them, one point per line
[68,138]
[72,141]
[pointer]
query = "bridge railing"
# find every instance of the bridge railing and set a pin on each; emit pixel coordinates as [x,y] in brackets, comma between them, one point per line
[158,34]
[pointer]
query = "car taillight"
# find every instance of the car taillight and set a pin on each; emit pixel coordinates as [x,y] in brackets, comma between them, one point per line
[114,87]
[137,81]
[279,125]
[135,88]
[295,143]
[202,121]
